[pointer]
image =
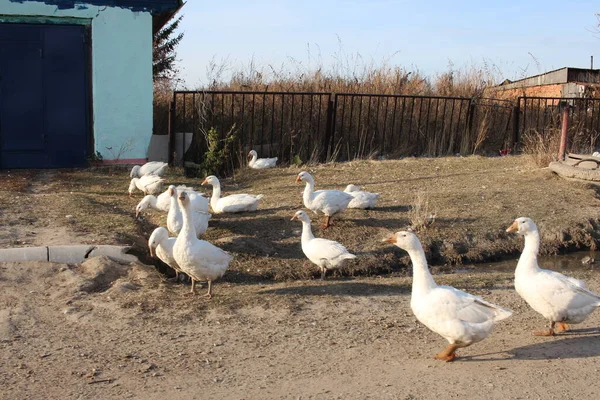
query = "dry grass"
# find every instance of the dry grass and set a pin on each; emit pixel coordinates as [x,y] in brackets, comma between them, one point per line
[475,199]
[420,214]
[541,148]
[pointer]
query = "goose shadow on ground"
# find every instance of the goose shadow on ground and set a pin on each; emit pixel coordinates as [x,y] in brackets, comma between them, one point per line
[332,287]
[400,208]
[577,343]
[388,223]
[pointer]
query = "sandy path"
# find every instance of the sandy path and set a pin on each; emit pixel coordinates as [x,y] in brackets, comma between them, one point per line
[62,327]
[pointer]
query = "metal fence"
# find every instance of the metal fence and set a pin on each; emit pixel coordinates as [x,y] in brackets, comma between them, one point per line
[365,125]
[275,124]
[326,127]
[541,116]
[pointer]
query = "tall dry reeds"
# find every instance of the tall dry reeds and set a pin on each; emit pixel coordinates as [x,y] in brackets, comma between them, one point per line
[350,74]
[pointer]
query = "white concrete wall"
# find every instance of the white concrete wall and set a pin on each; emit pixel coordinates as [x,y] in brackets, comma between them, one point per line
[121,71]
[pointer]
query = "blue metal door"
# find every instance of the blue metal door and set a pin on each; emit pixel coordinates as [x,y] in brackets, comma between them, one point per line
[44,113]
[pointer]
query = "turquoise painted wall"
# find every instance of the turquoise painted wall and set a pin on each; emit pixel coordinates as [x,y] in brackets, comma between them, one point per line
[121,71]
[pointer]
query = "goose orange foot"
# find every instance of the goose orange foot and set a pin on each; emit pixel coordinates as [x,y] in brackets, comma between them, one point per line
[444,357]
[448,354]
[562,327]
[328,222]
[549,332]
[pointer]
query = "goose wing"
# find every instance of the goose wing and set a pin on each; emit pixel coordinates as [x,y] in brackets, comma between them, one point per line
[452,303]
[236,202]
[564,292]
[324,249]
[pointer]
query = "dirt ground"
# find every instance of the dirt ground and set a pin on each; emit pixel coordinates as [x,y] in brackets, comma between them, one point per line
[106,330]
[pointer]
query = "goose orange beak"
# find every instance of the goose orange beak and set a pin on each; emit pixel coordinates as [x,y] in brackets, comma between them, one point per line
[293,218]
[298,180]
[391,239]
[151,252]
[204,182]
[513,228]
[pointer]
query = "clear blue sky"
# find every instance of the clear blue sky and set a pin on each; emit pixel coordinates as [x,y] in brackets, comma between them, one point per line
[425,35]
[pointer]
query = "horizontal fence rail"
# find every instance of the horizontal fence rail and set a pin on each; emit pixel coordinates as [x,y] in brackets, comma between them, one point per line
[319,127]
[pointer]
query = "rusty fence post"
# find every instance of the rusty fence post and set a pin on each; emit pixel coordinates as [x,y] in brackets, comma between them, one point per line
[564,130]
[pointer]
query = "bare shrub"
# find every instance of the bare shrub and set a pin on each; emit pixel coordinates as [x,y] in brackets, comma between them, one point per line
[541,147]
[421,214]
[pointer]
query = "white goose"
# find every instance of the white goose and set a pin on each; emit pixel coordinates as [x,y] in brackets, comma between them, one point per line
[233,203]
[459,317]
[260,163]
[162,202]
[175,216]
[326,254]
[361,199]
[150,168]
[149,184]
[560,299]
[161,244]
[328,202]
[199,259]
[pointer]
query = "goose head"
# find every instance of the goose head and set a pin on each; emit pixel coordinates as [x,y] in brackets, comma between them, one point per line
[252,154]
[134,171]
[142,205]
[304,176]
[301,216]
[172,190]
[184,199]
[210,180]
[131,186]
[522,226]
[351,188]
[156,238]
[405,240]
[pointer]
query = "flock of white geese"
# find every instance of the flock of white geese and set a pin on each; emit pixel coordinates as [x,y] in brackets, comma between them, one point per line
[459,317]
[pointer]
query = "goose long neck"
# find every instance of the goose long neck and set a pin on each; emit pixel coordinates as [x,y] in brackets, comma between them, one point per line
[175,207]
[309,189]
[216,194]
[422,280]
[307,231]
[187,229]
[152,200]
[254,157]
[530,252]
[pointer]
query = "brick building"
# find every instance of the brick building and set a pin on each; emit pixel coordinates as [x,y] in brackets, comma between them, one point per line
[563,82]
